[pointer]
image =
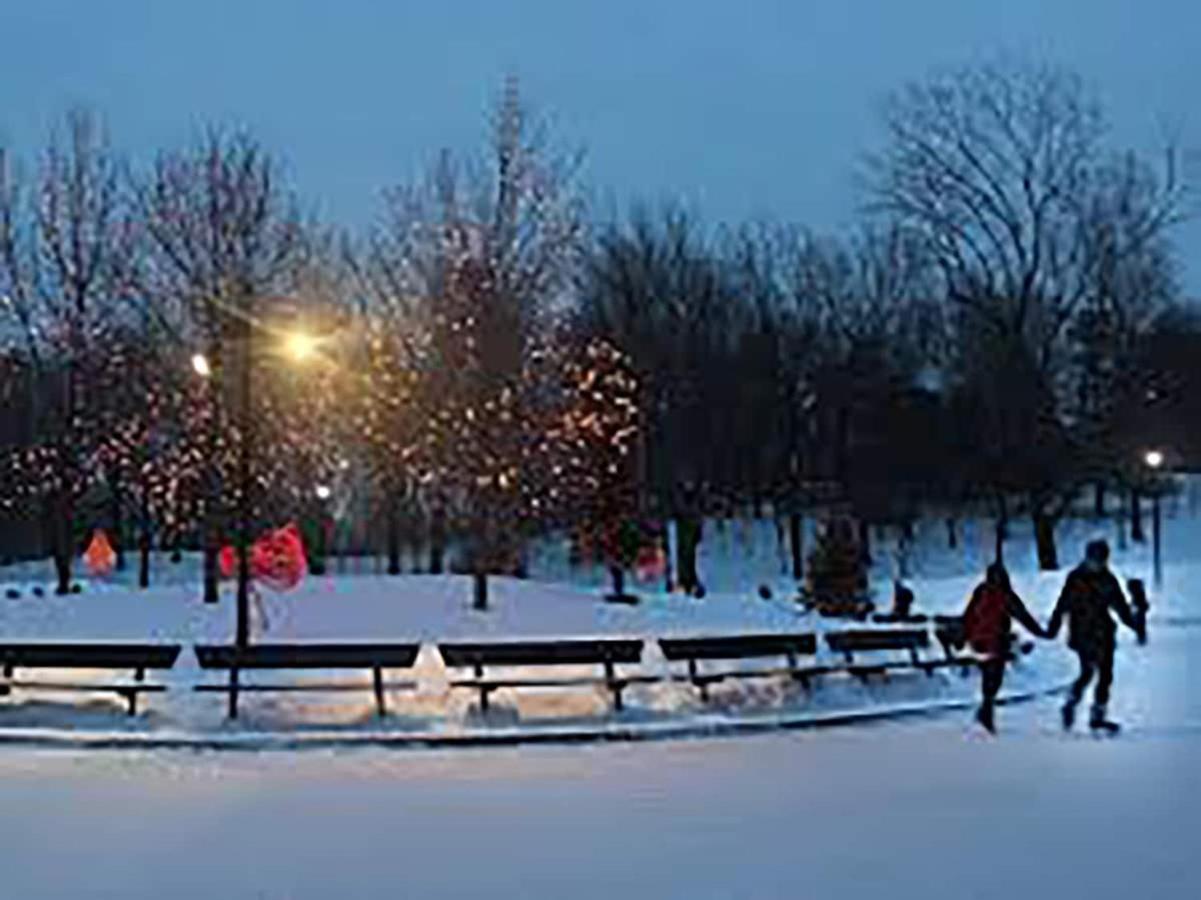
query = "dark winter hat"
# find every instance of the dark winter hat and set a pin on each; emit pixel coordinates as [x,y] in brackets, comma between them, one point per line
[1098,551]
[997,574]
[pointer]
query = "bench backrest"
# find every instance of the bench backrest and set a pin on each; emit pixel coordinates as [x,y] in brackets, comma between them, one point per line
[308,656]
[888,618]
[877,639]
[745,646]
[540,653]
[88,656]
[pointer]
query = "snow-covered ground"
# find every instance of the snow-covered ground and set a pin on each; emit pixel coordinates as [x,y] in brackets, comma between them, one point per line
[921,808]
[558,602]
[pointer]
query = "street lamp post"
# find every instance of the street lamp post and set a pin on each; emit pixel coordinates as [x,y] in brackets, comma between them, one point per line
[1154,460]
[301,347]
[245,444]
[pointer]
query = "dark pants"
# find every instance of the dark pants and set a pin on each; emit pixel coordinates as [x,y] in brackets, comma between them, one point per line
[992,674]
[1094,660]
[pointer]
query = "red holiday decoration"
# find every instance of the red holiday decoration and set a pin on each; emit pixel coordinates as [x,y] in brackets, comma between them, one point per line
[651,563]
[100,556]
[277,559]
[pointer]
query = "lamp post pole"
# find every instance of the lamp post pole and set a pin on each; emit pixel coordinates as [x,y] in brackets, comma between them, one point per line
[1155,540]
[246,425]
[1154,460]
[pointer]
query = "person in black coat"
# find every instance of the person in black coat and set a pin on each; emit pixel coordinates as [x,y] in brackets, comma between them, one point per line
[1090,593]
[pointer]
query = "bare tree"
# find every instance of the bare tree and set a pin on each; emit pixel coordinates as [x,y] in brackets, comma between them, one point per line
[1001,168]
[66,248]
[225,233]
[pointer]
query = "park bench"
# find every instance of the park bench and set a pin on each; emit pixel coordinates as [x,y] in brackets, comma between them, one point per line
[870,640]
[606,653]
[743,647]
[374,657]
[117,657]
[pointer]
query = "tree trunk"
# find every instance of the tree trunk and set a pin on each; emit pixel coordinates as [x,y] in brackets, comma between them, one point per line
[144,559]
[317,546]
[144,542]
[393,535]
[618,574]
[952,533]
[668,568]
[480,579]
[116,512]
[865,542]
[1044,539]
[64,550]
[1136,517]
[1002,532]
[1099,499]
[437,540]
[795,539]
[212,542]
[687,539]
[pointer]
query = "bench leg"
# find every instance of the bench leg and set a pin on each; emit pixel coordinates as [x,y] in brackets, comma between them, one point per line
[379,694]
[132,697]
[704,689]
[233,693]
[618,702]
[484,699]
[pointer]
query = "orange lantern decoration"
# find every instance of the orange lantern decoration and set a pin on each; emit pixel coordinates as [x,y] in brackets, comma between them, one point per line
[100,555]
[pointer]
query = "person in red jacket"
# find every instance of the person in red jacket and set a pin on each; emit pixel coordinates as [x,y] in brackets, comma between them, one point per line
[986,627]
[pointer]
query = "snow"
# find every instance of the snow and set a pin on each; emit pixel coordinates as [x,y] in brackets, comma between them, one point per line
[927,807]
[558,602]
[921,808]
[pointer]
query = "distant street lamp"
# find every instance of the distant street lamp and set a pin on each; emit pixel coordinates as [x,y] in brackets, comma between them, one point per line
[200,365]
[323,492]
[1155,460]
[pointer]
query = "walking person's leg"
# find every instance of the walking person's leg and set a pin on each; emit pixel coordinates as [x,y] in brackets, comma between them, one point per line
[1101,693]
[992,674]
[1076,692]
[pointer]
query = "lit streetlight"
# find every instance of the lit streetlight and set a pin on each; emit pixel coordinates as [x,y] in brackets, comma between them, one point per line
[323,492]
[1155,460]
[300,346]
[200,365]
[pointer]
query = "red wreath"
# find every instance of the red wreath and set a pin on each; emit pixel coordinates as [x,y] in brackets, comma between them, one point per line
[277,559]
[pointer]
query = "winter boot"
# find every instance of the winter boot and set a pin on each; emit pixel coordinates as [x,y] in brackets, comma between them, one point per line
[1068,714]
[1098,722]
[984,715]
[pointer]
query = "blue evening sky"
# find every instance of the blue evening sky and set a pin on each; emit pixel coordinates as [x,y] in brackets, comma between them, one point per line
[740,108]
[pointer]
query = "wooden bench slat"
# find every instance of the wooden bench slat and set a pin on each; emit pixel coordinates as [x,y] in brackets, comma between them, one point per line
[747,646]
[316,687]
[308,656]
[69,686]
[494,683]
[458,655]
[87,655]
[869,639]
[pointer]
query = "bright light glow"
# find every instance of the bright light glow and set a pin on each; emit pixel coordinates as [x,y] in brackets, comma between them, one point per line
[323,492]
[300,345]
[1154,459]
[200,365]
[344,464]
